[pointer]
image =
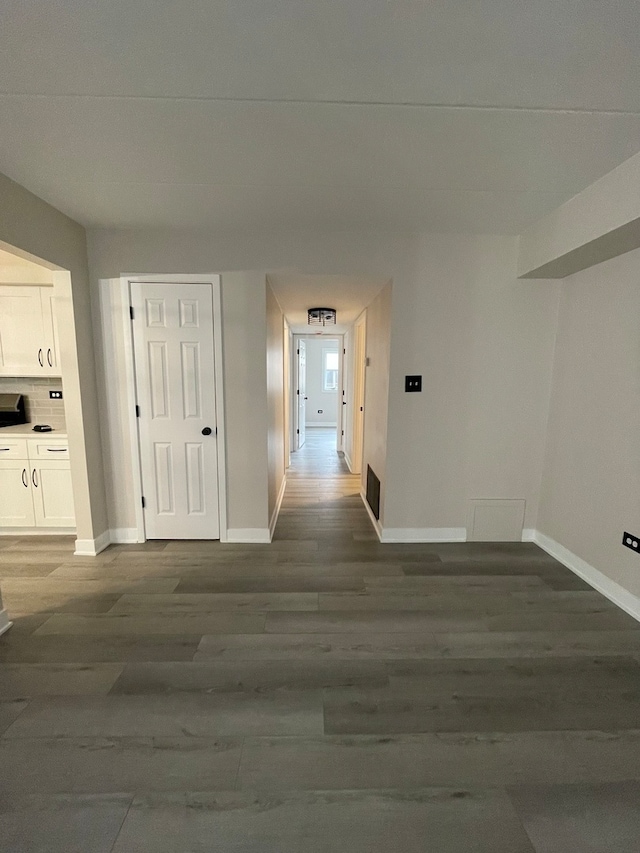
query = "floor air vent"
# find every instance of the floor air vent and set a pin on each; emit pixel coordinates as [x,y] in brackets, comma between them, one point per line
[373,492]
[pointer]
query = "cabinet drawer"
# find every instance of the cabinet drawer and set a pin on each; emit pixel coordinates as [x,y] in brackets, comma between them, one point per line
[13,448]
[49,448]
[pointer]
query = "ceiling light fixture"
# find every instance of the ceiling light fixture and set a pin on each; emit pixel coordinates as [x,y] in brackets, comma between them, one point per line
[321,316]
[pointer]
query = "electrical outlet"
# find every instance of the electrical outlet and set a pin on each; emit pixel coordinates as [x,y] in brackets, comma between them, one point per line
[55,395]
[413,383]
[630,541]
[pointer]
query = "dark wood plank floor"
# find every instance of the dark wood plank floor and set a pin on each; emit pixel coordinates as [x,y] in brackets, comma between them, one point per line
[323,693]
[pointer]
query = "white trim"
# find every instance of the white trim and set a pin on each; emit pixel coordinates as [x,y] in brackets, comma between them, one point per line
[215,280]
[424,534]
[37,531]
[376,524]
[130,382]
[249,535]
[347,459]
[323,425]
[125,536]
[92,547]
[528,534]
[620,596]
[276,509]
[5,622]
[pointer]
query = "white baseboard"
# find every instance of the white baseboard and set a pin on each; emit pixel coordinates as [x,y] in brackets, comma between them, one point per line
[620,596]
[5,622]
[37,531]
[125,536]
[424,534]
[92,547]
[276,509]
[374,520]
[249,535]
[528,534]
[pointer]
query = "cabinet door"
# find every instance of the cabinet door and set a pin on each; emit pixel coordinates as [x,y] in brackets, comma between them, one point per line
[16,504]
[50,332]
[52,493]
[22,346]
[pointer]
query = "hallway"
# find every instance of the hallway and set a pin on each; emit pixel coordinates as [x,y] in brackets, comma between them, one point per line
[324,693]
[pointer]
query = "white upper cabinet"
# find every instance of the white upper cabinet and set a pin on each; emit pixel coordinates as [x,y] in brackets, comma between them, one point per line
[28,339]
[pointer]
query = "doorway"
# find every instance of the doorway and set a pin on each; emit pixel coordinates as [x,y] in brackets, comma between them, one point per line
[178,401]
[317,391]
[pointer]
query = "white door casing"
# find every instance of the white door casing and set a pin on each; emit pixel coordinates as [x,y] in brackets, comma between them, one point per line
[173,336]
[360,355]
[301,391]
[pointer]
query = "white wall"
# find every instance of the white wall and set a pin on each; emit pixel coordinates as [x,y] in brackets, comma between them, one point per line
[482,340]
[275,402]
[43,233]
[376,441]
[316,397]
[245,385]
[591,482]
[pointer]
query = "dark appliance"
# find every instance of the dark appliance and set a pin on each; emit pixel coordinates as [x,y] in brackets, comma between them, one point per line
[12,410]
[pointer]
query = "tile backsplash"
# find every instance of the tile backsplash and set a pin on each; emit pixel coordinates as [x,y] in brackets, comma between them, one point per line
[39,408]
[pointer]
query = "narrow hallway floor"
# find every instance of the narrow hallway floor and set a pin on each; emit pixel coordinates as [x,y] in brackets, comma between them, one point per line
[324,693]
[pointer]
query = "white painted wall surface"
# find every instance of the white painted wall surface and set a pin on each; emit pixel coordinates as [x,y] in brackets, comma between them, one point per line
[34,227]
[244,336]
[482,340]
[591,482]
[317,397]
[275,400]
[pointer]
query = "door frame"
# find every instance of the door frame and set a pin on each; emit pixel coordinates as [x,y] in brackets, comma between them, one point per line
[214,279]
[340,419]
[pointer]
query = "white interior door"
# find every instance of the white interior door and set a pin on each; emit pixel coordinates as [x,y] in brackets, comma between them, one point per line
[360,355]
[301,377]
[175,382]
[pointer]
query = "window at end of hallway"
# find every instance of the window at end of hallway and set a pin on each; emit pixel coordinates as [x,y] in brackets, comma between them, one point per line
[329,370]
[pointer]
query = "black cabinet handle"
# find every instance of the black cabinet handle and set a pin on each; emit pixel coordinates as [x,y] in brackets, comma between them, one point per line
[40,361]
[33,478]
[25,481]
[207,431]
[50,362]
[57,450]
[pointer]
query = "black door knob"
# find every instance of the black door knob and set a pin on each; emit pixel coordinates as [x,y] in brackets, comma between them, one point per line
[207,431]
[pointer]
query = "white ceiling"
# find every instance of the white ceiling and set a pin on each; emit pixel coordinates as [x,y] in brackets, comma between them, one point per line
[273,114]
[349,295]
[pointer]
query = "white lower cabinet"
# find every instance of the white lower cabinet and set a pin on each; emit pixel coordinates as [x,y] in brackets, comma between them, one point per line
[36,492]
[16,501]
[52,494]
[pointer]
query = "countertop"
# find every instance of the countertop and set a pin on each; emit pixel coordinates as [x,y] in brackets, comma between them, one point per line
[26,431]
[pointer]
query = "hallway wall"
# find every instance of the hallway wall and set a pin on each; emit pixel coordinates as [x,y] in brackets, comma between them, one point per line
[275,401]
[482,340]
[591,484]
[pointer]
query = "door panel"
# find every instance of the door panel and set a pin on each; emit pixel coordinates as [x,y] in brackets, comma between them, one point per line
[175,380]
[301,375]
[16,504]
[23,350]
[52,494]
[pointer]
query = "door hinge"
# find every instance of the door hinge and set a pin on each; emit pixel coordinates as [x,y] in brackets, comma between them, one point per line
[137,411]
[344,352]
[298,431]
[298,392]
[297,352]
[144,503]
[342,432]
[131,311]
